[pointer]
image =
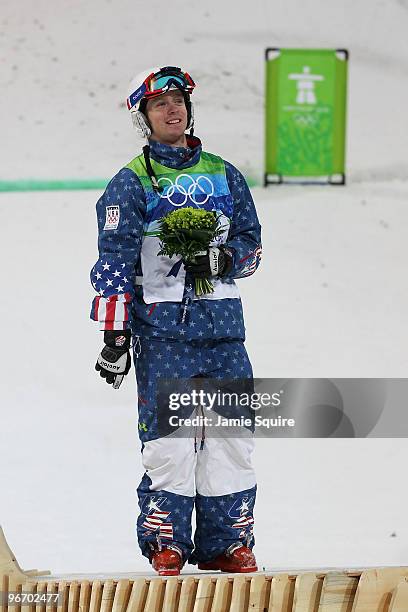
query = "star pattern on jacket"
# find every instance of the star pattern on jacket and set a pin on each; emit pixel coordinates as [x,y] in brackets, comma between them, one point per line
[119,302]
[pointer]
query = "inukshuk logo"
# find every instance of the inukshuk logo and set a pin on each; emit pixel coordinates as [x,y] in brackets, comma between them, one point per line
[305,85]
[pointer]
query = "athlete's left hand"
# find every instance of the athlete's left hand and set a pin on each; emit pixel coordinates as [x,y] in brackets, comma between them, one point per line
[216,261]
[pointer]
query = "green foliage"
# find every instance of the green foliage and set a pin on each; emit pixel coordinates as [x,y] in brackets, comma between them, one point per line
[186,232]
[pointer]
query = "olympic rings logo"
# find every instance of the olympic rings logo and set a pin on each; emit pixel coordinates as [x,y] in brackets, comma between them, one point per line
[198,190]
[305,120]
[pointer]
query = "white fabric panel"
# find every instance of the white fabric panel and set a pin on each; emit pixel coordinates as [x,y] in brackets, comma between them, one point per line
[120,312]
[221,291]
[170,463]
[102,310]
[224,466]
[158,287]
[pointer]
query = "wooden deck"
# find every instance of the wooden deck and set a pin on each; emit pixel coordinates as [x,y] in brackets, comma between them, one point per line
[363,590]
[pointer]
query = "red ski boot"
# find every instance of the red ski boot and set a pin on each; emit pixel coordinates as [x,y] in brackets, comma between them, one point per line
[167,562]
[236,559]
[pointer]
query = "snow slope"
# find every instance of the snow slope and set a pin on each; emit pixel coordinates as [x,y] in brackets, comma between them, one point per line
[330,299]
[66,68]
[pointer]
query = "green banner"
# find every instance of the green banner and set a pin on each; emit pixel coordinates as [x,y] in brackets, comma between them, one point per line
[305,115]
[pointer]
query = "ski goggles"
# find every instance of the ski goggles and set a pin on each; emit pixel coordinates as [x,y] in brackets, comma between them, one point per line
[160,82]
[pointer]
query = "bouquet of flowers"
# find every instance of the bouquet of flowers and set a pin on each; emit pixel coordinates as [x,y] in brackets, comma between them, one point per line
[188,232]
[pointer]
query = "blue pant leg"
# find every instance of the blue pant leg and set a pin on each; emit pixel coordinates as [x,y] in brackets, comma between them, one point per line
[164,519]
[225,502]
[166,499]
[222,521]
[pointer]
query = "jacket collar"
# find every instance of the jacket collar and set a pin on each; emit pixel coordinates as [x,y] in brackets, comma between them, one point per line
[176,157]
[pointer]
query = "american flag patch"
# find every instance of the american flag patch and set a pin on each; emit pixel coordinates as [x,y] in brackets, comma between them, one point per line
[243,521]
[155,521]
[252,261]
[112,217]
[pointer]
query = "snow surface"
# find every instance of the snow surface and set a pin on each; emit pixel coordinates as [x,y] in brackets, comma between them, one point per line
[330,299]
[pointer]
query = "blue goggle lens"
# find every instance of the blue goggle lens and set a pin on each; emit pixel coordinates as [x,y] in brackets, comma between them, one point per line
[162,82]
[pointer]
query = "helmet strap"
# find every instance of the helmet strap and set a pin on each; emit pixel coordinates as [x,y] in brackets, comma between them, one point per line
[149,168]
[190,111]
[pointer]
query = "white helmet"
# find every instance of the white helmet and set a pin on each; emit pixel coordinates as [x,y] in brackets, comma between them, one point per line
[154,82]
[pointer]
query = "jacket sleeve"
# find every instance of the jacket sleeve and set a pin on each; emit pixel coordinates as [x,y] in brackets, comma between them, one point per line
[120,213]
[244,237]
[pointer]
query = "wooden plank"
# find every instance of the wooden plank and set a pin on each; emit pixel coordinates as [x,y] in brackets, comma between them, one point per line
[41,590]
[4,581]
[187,594]
[338,592]
[96,596]
[259,593]
[122,594]
[14,586]
[29,587]
[222,595]
[108,593]
[171,595]
[52,589]
[399,600]
[84,596]
[63,592]
[375,589]
[73,598]
[155,595]
[138,596]
[240,594]
[308,588]
[204,595]
[282,593]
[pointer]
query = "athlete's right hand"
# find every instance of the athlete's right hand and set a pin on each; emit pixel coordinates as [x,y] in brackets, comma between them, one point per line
[114,360]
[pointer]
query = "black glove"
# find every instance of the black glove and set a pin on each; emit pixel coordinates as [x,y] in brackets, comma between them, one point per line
[114,360]
[216,261]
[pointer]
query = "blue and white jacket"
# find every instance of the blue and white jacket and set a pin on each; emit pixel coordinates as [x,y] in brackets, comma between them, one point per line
[117,275]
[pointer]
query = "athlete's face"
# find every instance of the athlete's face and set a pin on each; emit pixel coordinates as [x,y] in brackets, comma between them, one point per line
[167,115]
